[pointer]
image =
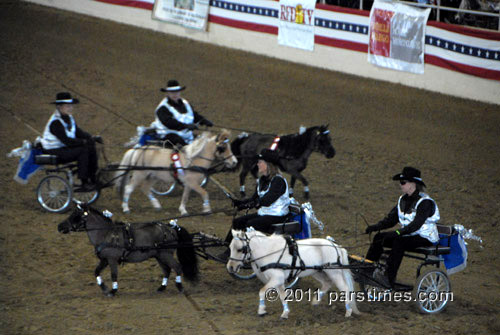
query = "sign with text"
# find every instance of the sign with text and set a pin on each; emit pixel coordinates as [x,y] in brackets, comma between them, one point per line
[397,36]
[296,23]
[187,13]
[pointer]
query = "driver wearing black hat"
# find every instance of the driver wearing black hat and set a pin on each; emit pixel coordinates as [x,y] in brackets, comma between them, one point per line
[271,198]
[63,138]
[417,213]
[175,119]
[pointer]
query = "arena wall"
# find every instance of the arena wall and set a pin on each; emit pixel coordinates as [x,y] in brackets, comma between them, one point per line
[436,78]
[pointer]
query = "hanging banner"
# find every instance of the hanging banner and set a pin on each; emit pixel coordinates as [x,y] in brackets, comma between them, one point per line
[188,13]
[397,36]
[296,24]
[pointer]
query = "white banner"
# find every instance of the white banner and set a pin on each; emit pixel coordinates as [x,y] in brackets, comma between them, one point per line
[296,24]
[397,36]
[187,13]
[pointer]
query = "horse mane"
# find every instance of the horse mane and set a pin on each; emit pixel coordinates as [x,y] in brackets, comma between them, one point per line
[296,144]
[194,148]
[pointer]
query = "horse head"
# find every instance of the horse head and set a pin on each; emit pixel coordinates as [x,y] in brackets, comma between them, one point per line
[323,142]
[76,221]
[240,251]
[223,149]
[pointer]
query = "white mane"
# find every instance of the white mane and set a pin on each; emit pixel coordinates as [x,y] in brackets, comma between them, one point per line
[194,148]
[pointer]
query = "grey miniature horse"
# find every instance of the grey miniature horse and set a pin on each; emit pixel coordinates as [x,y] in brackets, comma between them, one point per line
[117,243]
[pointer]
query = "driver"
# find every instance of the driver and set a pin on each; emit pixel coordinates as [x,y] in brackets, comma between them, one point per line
[417,214]
[271,197]
[63,138]
[175,119]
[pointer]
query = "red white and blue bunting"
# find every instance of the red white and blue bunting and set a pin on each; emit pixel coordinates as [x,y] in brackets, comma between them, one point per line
[457,48]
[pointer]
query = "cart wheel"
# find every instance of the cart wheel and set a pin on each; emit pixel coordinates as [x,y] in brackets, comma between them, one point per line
[432,291]
[161,187]
[85,197]
[245,273]
[54,194]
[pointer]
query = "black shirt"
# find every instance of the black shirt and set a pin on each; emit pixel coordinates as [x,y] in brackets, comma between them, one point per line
[57,129]
[168,119]
[425,210]
[276,190]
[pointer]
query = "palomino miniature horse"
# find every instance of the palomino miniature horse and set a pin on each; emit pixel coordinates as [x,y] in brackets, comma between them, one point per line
[195,159]
[115,243]
[294,151]
[271,253]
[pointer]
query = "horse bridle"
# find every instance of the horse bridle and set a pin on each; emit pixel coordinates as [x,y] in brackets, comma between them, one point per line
[245,250]
[318,138]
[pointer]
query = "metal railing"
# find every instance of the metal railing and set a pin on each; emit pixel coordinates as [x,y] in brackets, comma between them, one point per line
[440,8]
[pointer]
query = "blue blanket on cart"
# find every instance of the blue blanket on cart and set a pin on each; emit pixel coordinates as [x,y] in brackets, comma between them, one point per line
[27,167]
[456,260]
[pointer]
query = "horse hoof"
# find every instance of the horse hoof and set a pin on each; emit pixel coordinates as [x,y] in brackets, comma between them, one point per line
[111,293]
[104,288]
[243,194]
[179,287]
[306,195]
[262,314]
[161,288]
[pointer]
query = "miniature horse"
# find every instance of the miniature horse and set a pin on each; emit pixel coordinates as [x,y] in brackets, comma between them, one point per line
[115,243]
[271,259]
[145,165]
[294,151]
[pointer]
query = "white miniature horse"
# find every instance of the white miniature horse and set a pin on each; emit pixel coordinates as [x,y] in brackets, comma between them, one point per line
[195,160]
[260,251]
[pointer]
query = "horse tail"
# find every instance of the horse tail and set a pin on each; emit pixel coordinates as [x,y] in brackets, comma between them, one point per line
[236,147]
[186,255]
[348,278]
[122,173]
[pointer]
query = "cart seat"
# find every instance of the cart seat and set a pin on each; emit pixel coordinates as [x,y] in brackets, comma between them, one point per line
[289,228]
[445,232]
[46,159]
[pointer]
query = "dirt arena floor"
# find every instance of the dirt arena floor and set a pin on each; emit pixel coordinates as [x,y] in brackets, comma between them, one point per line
[47,282]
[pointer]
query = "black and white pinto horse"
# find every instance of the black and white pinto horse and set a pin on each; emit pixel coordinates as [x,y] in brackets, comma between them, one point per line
[272,260]
[294,151]
[117,243]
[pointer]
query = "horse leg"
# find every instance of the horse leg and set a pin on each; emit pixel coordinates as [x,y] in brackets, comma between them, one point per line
[184,199]
[243,176]
[337,277]
[304,182]
[146,189]
[166,273]
[286,310]
[201,191]
[129,188]
[102,264]
[325,286]
[168,258]
[263,294]
[113,265]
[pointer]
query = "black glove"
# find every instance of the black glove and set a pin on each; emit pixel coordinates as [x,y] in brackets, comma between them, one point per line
[98,139]
[191,126]
[372,228]
[242,204]
[206,122]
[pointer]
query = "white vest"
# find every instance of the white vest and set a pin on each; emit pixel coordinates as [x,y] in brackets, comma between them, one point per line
[49,140]
[428,229]
[280,206]
[188,118]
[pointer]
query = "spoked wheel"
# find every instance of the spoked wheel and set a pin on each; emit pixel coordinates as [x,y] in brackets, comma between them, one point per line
[85,197]
[245,272]
[161,187]
[432,291]
[54,194]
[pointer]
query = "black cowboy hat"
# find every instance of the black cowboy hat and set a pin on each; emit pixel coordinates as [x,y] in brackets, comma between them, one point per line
[172,86]
[269,156]
[411,174]
[65,98]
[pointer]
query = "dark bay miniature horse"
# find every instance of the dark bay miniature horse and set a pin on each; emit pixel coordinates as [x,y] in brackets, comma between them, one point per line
[115,243]
[294,151]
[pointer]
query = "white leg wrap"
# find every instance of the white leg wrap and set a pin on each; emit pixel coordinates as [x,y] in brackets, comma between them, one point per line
[115,285]
[99,280]
[178,279]
[262,302]
[242,188]
[306,188]
[285,307]
[164,281]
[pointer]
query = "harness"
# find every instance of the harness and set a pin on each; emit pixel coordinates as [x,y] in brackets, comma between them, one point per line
[293,250]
